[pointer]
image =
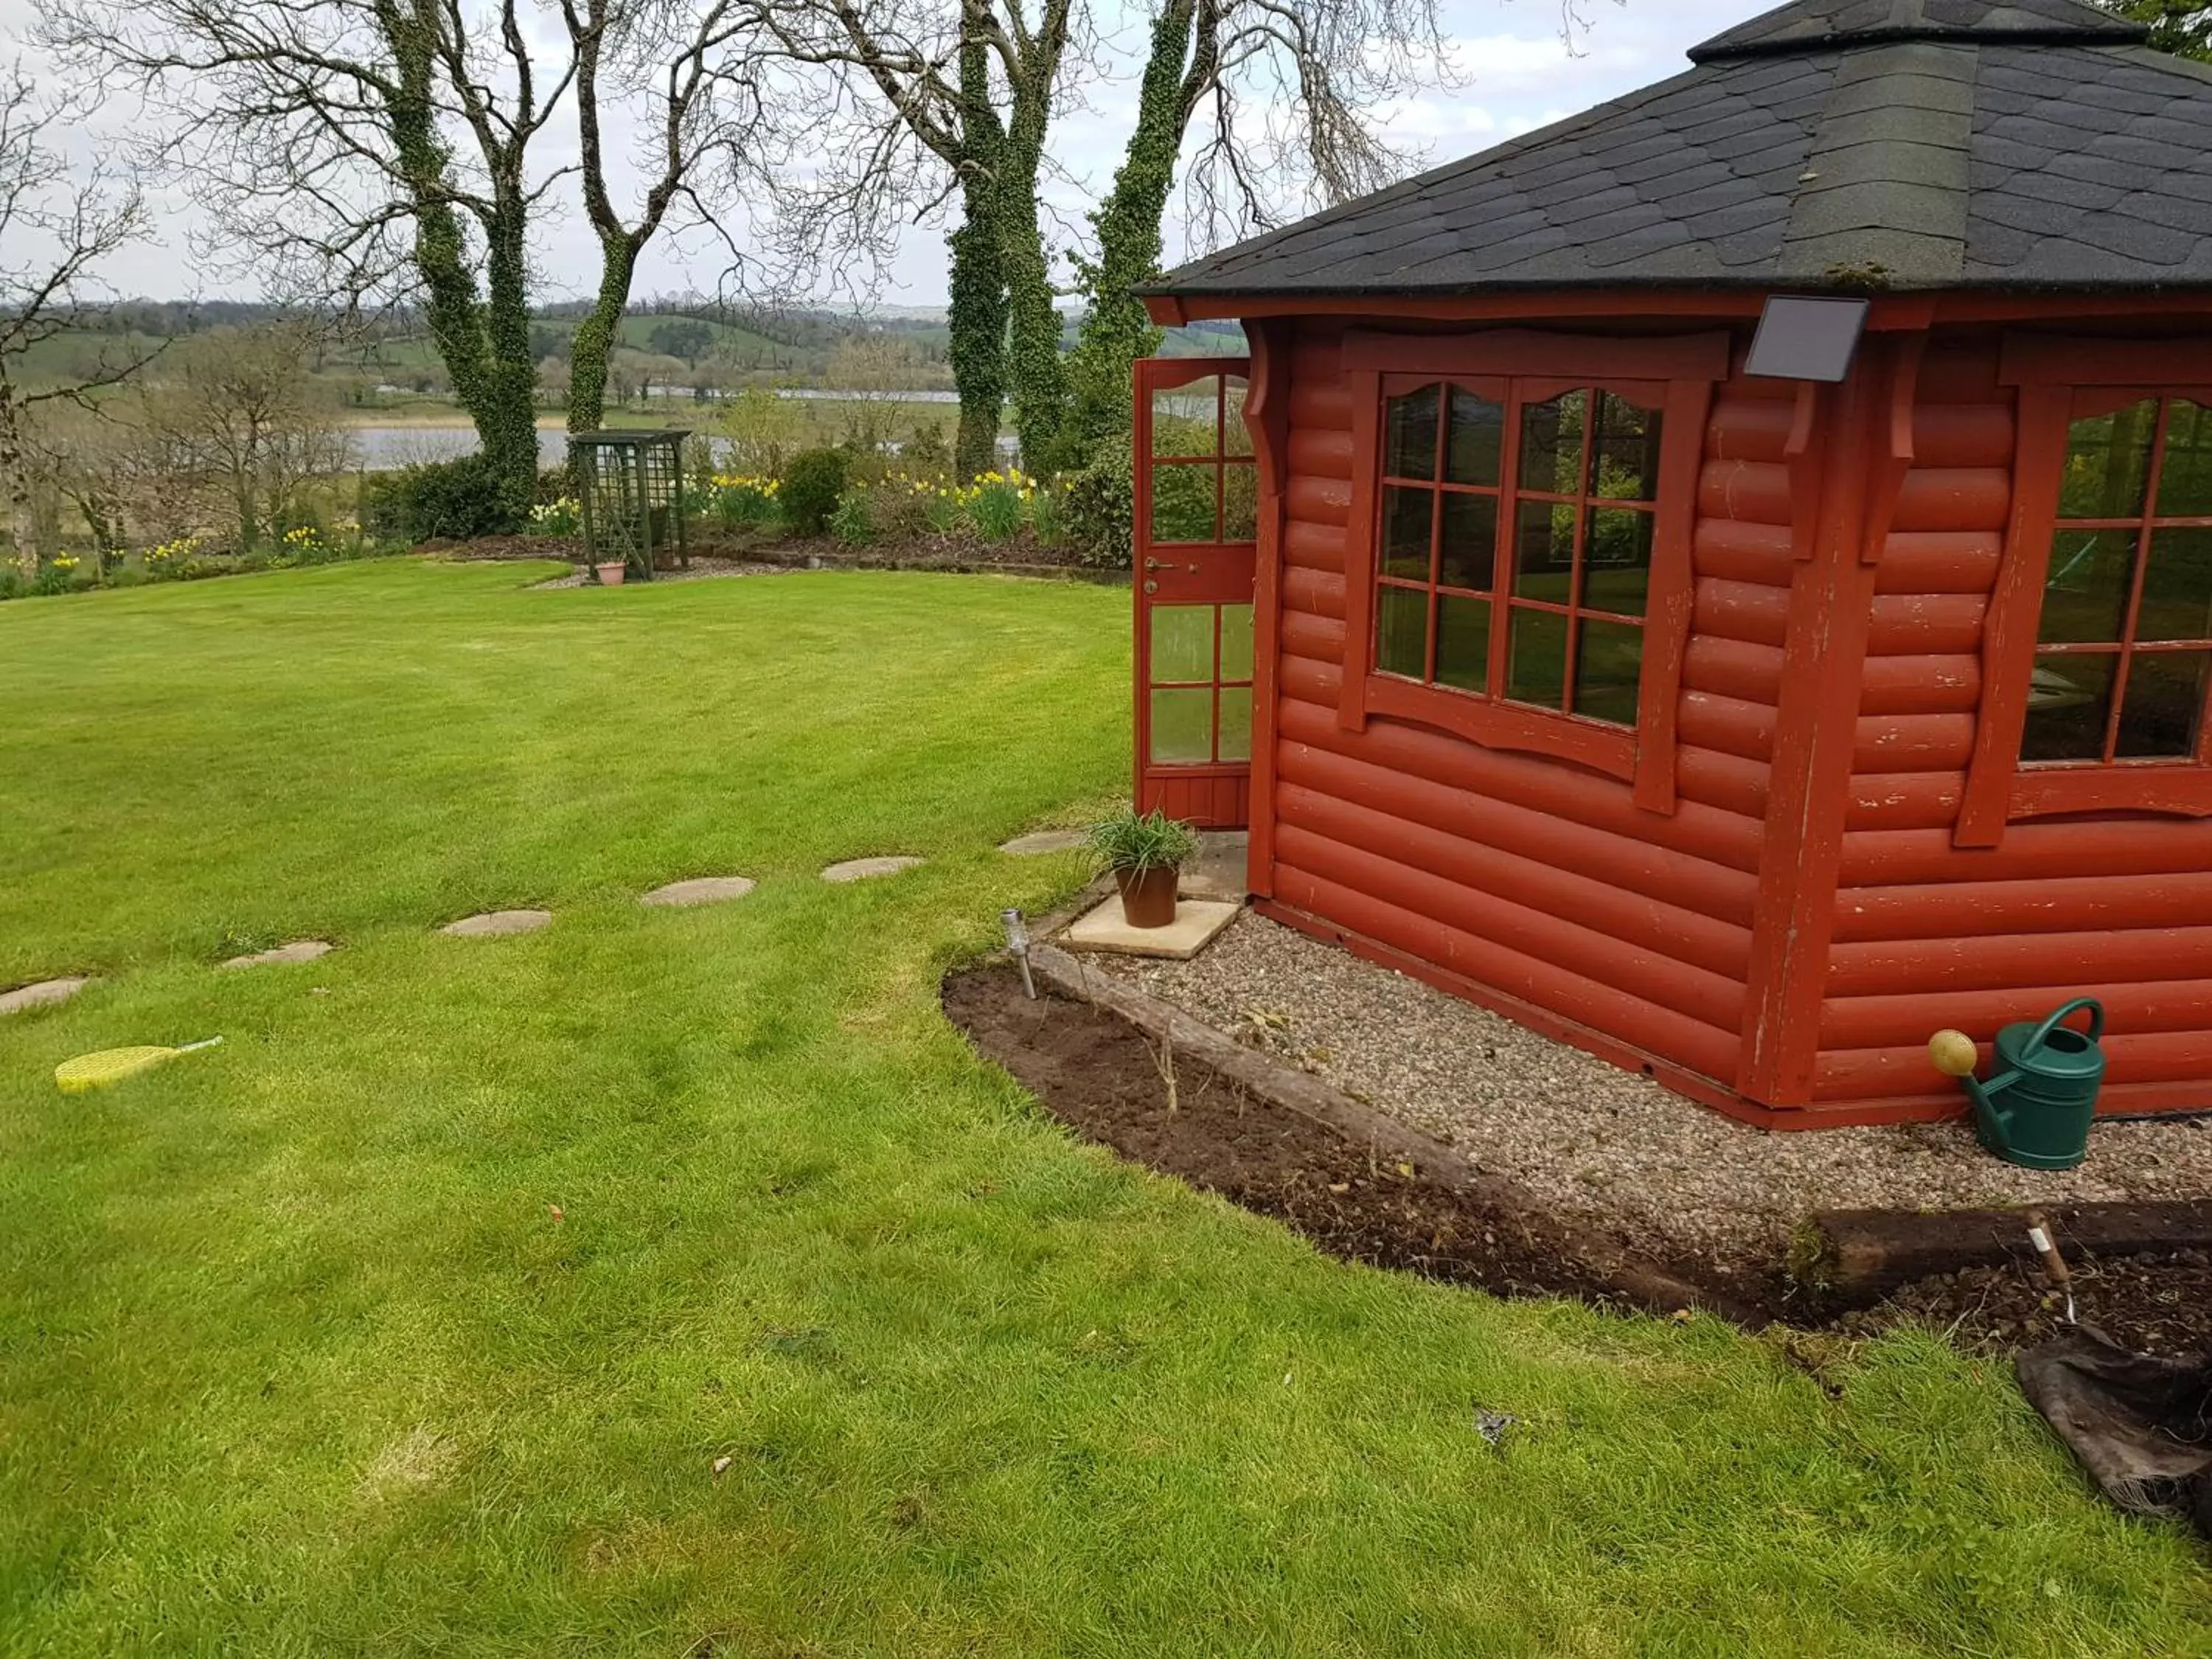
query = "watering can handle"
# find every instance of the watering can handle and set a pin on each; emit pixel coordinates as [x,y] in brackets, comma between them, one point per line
[2041,1034]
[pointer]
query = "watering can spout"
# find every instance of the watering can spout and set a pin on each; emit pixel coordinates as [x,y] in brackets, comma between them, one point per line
[2051,1073]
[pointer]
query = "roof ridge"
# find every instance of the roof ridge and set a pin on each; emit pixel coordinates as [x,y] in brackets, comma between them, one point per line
[1806,26]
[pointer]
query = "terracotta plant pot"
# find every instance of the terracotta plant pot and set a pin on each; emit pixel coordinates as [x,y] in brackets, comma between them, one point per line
[1148,896]
[611,575]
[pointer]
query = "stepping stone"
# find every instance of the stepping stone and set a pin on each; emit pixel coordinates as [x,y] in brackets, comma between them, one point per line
[44,995]
[1198,923]
[700,890]
[299,950]
[862,869]
[1038,842]
[497,924]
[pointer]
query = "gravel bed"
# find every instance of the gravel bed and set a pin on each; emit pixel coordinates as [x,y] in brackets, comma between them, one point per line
[1608,1145]
[702,569]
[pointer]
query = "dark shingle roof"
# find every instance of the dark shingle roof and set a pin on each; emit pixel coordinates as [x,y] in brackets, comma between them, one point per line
[2031,143]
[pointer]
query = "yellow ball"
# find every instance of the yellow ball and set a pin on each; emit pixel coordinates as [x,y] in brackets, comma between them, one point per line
[1952,1052]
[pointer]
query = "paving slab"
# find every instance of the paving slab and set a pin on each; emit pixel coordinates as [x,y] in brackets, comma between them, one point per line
[1038,842]
[1198,923]
[44,995]
[299,950]
[700,890]
[863,869]
[1218,872]
[497,924]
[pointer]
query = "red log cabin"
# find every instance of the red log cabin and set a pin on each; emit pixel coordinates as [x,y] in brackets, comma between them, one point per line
[1733,715]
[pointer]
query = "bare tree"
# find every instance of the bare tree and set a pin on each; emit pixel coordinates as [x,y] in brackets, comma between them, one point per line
[57,230]
[365,149]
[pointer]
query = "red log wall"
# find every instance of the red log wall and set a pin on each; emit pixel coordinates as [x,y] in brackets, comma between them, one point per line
[1540,888]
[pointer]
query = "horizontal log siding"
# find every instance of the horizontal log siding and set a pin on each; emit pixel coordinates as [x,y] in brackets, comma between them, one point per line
[1536,878]
[1927,935]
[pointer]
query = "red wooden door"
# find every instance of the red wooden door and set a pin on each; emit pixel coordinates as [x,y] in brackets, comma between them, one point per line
[1197,513]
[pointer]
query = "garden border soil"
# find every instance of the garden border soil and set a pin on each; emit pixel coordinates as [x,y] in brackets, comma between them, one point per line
[1099,1054]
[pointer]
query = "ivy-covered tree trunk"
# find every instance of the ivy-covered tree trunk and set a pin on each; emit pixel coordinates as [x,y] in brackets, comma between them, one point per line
[1040,388]
[978,279]
[1117,331]
[593,342]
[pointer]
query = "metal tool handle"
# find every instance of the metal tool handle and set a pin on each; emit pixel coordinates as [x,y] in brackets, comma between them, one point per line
[2041,1034]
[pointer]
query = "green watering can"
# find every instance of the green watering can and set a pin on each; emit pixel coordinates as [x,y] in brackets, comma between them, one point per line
[2047,1074]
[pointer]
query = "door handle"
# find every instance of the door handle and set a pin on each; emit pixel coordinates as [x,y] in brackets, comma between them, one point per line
[1159,564]
[1152,587]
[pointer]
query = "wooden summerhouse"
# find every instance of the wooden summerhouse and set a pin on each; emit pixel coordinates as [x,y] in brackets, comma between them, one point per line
[1739,687]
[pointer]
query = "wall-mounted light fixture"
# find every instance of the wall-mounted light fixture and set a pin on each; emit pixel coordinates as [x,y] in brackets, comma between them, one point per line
[1804,339]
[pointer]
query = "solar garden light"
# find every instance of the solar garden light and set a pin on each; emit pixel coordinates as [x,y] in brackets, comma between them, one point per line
[1804,339]
[1017,943]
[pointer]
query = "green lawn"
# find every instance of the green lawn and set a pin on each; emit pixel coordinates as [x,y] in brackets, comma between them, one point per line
[295,1358]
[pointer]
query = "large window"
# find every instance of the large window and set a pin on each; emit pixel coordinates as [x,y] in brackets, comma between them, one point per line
[2124,640]
[1515,537]
[1521,512]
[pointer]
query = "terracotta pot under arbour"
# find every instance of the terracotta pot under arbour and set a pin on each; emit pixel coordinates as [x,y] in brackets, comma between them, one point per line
[1145,852]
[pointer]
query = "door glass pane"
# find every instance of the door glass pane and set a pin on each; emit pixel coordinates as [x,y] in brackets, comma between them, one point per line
[2107,459]
[1627,459]
[1462,642]
[1183,418]
[1543,549]
[1182,725]
[1405,520]
[2068,698]
[1401,631]
[2185,477]
[2085,592]
[1409,443]
[1552,443]
[2163,702]
[1182,503]
[1469,556]
[1235,436]
[1478,431]
[1617,563]
[1235,642]
[1536,666]
[1183,643]
[2176,589]
[1240,501]
[1236,723]
[1608,659]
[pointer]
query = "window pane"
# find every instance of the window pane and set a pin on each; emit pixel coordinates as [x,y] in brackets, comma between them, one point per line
[1401,631]
[1543,550]
[1628,451]
[1552,443]
[1536,667]
[1409,447]
[1182,503]
[2068,698]
[1240,502]
[1617,563]
[1235,436]
[1608,659]
[1236,723]
[1469,557]
[1235,642]
[1406,521]
[1183,418]
[1462,642]
[1478,431]
[2107,459]
[2185,477]
[1182,725]
[1183,643]
[2177,590]
[2085,592]
[2164,700]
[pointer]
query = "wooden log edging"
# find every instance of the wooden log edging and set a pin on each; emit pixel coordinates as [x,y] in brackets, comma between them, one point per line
[1634,1278]
[1861,1255]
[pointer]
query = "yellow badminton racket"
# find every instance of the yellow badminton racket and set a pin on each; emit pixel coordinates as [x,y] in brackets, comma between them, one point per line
[97,1071]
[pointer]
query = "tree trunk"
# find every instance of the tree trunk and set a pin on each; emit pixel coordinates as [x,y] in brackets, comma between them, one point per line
[1039,386]
[593,342]
[22,529]
[509,422]
[978,320]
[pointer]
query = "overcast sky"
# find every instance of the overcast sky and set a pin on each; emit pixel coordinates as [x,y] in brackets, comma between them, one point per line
[1517,72]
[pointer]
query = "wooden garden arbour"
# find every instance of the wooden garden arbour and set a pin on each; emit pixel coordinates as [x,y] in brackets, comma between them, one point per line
[631,486]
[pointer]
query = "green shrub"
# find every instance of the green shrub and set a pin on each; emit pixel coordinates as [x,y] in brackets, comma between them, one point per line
[851,523]
[812,482]
[926,450]
[455,499]
[1100,507]
[1126,840]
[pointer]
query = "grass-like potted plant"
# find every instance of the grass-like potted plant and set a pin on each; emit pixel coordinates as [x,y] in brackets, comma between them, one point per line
[1145,852]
